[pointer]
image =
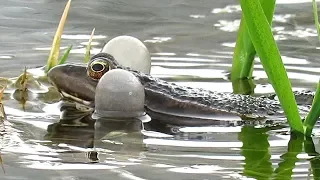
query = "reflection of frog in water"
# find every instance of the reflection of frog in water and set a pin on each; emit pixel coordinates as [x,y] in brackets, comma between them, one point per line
[77,128]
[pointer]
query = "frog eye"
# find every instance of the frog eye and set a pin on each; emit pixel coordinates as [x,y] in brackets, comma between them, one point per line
[96,69]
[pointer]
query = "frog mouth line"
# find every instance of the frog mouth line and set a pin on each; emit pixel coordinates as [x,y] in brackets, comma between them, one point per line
[76,99]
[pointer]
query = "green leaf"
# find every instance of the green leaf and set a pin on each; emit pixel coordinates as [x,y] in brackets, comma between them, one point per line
[243,86]
[243,56]
[65,56]
[262,38]
[244,52]
[314,113]
[315,15]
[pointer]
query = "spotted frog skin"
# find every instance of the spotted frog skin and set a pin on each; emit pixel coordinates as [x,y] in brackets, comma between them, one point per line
[172,103]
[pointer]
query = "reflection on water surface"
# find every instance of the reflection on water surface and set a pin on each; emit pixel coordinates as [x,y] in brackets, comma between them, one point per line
[191,43]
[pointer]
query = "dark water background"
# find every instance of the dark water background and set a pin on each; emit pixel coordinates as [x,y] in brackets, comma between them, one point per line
[191,42]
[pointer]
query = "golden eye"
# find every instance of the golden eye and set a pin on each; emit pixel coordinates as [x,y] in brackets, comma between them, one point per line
[96,69]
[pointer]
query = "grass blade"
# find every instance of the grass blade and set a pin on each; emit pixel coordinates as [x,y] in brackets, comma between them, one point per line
[316,19]
[244,52]
[262,38]
[65,55]
[87,55]
[243,56]
[55,48]
[314,113]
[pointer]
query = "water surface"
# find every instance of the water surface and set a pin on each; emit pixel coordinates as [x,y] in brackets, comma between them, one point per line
[191,43]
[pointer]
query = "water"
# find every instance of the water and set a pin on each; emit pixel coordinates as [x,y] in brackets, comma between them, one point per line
[191,43]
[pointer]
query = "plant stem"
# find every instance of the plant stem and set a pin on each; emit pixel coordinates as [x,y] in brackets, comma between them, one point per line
[244,52]
[315,15]
[262,38]
[314,113]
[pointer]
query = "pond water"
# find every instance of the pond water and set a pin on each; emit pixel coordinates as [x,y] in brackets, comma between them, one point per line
[191,43]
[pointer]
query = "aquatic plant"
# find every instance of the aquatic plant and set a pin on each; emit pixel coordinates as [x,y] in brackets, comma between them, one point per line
[310,149]
[315,16]
[3,116]
[314,113]
[55,48]
[65,56]
[261,36]
[21,87]
[244,52]
[88,49]
[254,36]
[255,29]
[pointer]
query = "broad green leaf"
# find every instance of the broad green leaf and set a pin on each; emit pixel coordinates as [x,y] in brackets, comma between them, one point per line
[244,52]
[262,38]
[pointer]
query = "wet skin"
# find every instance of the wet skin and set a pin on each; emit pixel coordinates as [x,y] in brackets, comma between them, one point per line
[171,103]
